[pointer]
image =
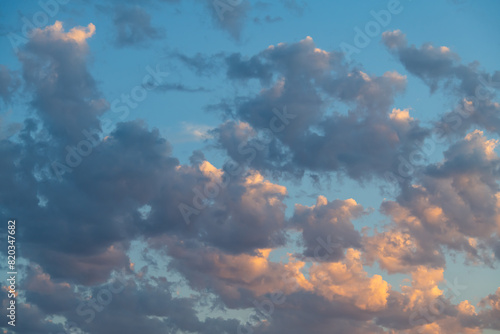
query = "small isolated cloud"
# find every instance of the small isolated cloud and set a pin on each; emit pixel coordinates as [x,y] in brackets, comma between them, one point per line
[230,16]
[133,27]
[192,133]
[328,224]
[268,19]
[201,64]
[297,7]
[179,87]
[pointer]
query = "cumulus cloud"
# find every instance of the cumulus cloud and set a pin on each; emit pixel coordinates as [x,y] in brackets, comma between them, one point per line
[236,279]
[298,112]
[490,312]
[396,250]
[65,94]
[91,238]
[454,204]
[221,228]
[327,229]
[133,306]
[347,279]
[440,66]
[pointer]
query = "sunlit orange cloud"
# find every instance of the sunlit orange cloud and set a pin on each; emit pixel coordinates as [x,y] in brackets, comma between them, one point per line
[347,280]
[76,34]
[391,249]
[424,286]
[255,273]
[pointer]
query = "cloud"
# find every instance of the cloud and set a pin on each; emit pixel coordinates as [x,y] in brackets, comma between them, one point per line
[236,279]
[295,6]
[396,250]
[430,63]
[55,70]
[439,66]
[133,27]
[247,211]
[424,286]
[229,16]
[200,63]
[83,249]
[327,229]
[9,82]
[347,279]
[453,204]
[130,306]
[78,35]
[268,19]
[179,88]
[192,133]
[219,229]
[8,128]
[296,111]
[252,68]
[490,313]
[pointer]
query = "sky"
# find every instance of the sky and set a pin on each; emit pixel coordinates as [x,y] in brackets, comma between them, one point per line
[240,166]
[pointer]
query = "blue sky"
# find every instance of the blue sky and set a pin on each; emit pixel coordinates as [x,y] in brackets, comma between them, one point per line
[223,79]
